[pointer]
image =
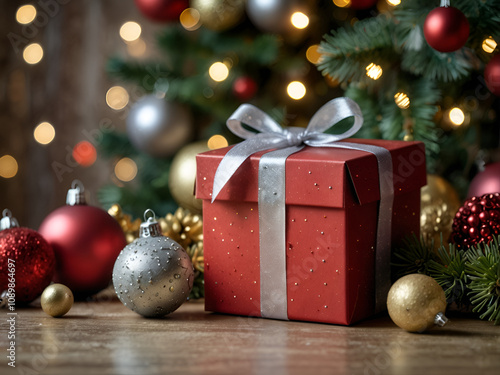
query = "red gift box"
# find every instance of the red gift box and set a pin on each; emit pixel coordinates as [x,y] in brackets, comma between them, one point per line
[332,197]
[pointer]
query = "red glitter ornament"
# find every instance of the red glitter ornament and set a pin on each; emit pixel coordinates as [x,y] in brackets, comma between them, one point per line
[86,241]
[492,75]
[446,29]
[31,258]
[162,10]
[478,220]
[362,4]
[244,88]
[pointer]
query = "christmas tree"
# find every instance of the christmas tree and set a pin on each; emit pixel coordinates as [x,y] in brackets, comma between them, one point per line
[419,70]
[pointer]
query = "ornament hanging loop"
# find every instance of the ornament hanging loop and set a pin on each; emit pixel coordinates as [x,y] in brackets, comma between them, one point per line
[76,195]
[150,227]
[7,221]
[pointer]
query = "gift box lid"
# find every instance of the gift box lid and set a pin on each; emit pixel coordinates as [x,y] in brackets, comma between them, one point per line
[321,176]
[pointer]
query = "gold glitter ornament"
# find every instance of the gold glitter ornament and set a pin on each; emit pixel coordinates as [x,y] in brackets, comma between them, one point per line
[438,204]
[183,174]
[57,300]
[183,227]
[416,303]
[129,227]
[195,252]
[219,15]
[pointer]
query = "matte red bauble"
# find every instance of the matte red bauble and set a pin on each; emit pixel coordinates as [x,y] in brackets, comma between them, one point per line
[478,220]
[26,263]
[362,4]
[162,10]
[492,75]
[446,29]
[86,241]
[485,182]
[244,88]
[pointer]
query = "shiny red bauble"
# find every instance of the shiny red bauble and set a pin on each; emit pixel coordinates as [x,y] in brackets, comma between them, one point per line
[478,220]
[86,241]
[362,4]
[446,29]
[492,75]
[26,261]
[485,182]
[244,88]
[162,10]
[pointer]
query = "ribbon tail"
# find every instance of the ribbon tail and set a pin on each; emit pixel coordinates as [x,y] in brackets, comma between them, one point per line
[237,155]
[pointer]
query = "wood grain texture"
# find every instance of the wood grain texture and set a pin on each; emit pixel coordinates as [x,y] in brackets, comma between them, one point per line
[106,338]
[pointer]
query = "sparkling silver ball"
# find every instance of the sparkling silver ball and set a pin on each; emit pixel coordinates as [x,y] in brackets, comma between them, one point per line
[271,15]
[153,276]
[158,127]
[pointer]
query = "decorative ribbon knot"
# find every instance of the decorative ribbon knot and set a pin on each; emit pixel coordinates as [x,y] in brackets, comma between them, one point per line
[281,143]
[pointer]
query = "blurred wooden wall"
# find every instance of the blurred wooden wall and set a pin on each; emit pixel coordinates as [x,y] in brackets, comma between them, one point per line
[67,88]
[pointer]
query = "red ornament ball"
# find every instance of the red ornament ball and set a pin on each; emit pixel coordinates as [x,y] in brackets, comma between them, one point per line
[446,29]
[362,4]
[485,182]
[86,241]
[244,88]
[492,75]
[30,256]
[162,10]
[478,220]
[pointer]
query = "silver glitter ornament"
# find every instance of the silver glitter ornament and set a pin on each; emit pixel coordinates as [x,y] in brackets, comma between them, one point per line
[153,275]
[158,127]
[272,15]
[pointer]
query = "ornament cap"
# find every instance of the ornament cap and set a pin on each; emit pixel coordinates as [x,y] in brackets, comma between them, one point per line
[7,221]
[150,227]
[3,299]
[76,195]
[440,319]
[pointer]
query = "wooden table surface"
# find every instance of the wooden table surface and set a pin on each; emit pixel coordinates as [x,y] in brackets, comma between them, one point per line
[106,338]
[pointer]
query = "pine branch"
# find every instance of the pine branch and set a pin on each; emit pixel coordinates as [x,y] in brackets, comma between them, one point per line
[484,269]
[414,256]
[450,272]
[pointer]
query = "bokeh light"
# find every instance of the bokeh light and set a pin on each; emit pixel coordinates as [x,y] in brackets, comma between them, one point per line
[342,3]
[218,71]
[136,48]
[126,169]
[33,53]
[489,45]
[190,19]
[26,14]
[117,97]
[130,31]
[299,20]
[8,166]
[296,90]
[402,100]
[393,2]
[84,153]
[457,116]
[312,54]
[374,71]
[44,133]
[217,141]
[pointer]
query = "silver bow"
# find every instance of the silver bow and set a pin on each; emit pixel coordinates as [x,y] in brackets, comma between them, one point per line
[271,197]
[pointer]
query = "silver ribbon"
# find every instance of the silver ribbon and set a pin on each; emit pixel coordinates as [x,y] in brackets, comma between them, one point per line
[271,197]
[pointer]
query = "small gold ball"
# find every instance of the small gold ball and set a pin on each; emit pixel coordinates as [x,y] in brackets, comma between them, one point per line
[57,300]
[414,301]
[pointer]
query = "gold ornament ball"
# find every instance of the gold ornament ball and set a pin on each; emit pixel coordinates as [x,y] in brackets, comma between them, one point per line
[219,15]
[416,303]
[439,202]
[57,300]
[183,174]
